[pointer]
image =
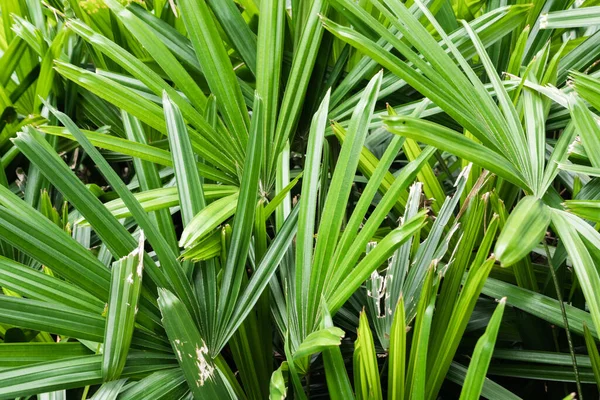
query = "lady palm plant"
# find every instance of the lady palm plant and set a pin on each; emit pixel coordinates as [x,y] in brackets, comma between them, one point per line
[251,199]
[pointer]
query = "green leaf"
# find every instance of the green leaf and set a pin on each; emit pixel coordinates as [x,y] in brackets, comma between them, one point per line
[455,143]
[10,59]
[192,202]
[139,150]
[203,377]
[157,199]
[240,34]
[318,341]
[125,286]
[46,76]
[524,229]
[587,127]
[208,219]
[170,382]
[271,26]
[73,373]
[573,18]
[141,108]
[366,372]
[20,354]
[205,249]
[592,349]
[278,388]
[148,177]
[397,353]
[280,197]
[29,231]
[115,236]
[537,304]
[333,211]
[465,304]
[159,52]
[40,286]
[217,67]
[308,207]
[67,321]
[588,87]
[587,273]
[579,169]
[262,274]
[115,93]
[491,390]
[243,222]
[109,390]
[416,371]
[305,55]
[338,383]
[399,185]
[189,187]
[481,356]
[588,209]
[168,259]
[384,249]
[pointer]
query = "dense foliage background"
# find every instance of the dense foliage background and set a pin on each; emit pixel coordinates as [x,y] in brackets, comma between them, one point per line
[306,199]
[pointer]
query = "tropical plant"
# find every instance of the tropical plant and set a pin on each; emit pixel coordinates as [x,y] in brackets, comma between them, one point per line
[244,199]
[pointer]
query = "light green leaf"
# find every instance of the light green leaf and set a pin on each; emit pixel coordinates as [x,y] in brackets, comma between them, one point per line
[208,219]
[216,66]
[455,143]
[481,357]
[524,229]
[125,286]
[366,372]
[318,341]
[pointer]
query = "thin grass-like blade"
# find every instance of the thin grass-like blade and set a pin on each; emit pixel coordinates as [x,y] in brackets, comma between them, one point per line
[40,286]
[592,349]
[243,222]
[26,353]
[37,236]
[455,143]
[397,353]
[157,199]
[262,275]
[572,18]
[584,266]
[139,150]
[481,357]
[456,326]
[216,66]
[384,249]
[271,26]
[305,55]
[588,129]
[416,373]
[337,195]
[109,390]
[125,287]
[308,209]
[541,306]
[338,382]
[366,372]
[73,373]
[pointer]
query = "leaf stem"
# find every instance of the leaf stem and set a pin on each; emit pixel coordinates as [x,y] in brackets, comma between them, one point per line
[565,320]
